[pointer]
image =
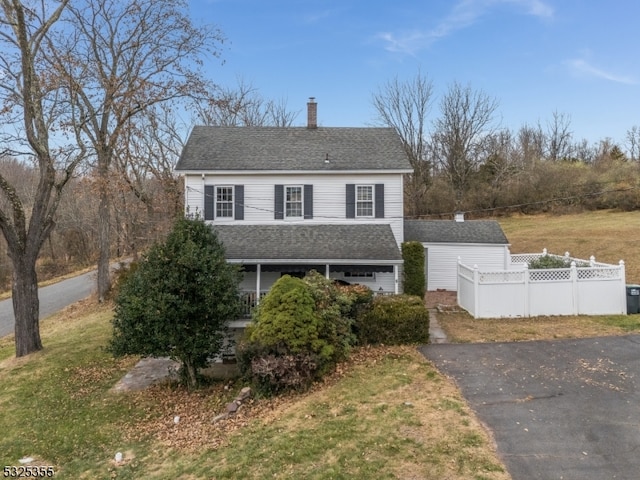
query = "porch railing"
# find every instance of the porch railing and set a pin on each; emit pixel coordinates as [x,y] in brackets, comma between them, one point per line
[249,301]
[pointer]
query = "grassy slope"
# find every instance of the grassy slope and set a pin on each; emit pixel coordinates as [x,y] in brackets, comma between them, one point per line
[609,236]
[388,414]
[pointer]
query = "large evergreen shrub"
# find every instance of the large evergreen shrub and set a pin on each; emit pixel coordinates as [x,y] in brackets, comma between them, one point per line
[178,300]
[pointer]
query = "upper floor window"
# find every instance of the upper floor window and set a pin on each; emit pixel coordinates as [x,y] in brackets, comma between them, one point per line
[364,200]
[224,202]
[293,201]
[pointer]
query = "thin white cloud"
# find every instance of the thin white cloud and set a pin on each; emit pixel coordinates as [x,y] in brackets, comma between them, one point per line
[319,16]
[584,68]
[464,14]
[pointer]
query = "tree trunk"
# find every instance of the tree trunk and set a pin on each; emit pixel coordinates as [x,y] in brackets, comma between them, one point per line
[26,306]
[190,373]
[104,231]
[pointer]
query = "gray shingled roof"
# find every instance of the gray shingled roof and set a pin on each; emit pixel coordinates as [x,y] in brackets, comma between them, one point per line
[450,231]
[296,148]
[357,243]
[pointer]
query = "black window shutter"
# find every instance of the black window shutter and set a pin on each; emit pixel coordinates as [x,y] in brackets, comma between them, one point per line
[379,206]
[278,207]
[308,201]
[209,201]
[351,200]
[239,202]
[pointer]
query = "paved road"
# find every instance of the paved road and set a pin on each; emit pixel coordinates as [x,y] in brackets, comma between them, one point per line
[566,409]
[52,299]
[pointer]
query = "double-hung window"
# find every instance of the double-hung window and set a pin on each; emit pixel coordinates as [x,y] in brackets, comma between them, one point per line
[364,200]
[224,202]
[293,201]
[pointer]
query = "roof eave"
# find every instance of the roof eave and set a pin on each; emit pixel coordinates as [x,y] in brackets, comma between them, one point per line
[292,172]
[327,261]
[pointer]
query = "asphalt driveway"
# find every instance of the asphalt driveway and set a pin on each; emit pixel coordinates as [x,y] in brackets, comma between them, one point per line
[566,409]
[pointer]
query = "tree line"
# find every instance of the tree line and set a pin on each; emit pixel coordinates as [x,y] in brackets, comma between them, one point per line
[464,161]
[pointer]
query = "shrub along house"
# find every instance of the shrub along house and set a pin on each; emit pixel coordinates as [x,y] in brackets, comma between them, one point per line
[289,200]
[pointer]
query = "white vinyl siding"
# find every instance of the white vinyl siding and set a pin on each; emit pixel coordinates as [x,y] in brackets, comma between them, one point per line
[442,261]
[328,196]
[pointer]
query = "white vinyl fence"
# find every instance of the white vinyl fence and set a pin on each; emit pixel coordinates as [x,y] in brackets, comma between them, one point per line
[585,288]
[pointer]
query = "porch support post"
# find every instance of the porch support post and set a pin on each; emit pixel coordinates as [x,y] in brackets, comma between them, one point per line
[326,271]
[395,278]
[258,272]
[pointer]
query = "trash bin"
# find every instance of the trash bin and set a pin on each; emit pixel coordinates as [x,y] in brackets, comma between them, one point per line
[633,299]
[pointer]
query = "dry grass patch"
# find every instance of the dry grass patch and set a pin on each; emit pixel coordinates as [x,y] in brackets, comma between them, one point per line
[609,235]
[387,414]
[461,327]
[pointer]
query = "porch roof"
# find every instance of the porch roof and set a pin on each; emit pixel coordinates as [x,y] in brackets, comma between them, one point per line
[349,243]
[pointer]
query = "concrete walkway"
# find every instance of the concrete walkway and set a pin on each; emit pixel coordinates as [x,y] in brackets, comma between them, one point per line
[436,334]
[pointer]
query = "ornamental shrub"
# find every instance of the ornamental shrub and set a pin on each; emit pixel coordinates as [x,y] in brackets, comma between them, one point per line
[273,369]
[549,261]
[394,320]
[413,255]
[300,332]
[178,300]
[358,296]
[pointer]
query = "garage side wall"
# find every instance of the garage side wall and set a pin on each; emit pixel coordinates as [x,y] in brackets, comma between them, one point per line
[442,261]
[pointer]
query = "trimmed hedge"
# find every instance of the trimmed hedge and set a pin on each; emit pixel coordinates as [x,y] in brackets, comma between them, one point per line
[394,320]
[413,255]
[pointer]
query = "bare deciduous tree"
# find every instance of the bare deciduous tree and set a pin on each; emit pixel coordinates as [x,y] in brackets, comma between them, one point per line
[531,142]
[31,101]
[243,106]
[466,117]
[559,144]
[633,143]
[120,59]
[405,106]
[143,168]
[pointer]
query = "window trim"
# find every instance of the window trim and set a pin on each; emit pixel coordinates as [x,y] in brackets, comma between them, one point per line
[359,202]
[286,202]
[232,202]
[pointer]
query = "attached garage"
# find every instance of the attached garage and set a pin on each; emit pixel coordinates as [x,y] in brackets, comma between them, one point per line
[476,242]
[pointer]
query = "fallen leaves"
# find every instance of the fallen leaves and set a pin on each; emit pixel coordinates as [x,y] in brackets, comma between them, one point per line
[197,410]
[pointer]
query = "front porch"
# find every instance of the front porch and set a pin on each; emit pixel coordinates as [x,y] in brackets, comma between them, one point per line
[258,279]
[366,254]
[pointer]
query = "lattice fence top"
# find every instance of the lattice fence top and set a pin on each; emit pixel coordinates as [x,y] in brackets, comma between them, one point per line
[580,262]
[599,273]
[510,276]
[585,270]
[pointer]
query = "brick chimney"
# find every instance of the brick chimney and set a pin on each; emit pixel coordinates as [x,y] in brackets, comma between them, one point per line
[312,113]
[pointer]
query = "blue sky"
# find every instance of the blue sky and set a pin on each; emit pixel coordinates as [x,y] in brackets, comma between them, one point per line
[577,58]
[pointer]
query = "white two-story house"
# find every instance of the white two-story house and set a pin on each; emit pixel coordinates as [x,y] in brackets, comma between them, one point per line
[289,200]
